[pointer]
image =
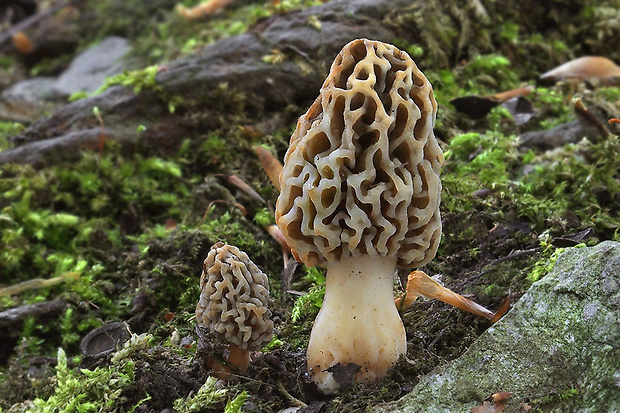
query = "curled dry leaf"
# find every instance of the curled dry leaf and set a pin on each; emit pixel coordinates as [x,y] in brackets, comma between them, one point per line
[586,67]
[252,132]
[271,165]
[502,310]
[420,284]
[475,107]
[203,9]
[513,93]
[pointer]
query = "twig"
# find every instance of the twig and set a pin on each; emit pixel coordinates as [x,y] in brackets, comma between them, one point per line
[508,257]
[24,24]
[589,117]
[13,316]
[292,399]
[436,339]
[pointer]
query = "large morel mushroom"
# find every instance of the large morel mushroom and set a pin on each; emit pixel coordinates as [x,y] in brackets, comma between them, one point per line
[360,192]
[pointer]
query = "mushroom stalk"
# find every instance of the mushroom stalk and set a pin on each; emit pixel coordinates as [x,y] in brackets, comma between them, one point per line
[239,358]
[358,322]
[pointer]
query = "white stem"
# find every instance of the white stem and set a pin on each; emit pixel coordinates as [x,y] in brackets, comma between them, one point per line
[358,322]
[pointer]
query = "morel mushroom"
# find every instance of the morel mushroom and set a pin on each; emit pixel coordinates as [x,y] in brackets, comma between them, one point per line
[234,303]
[360,192]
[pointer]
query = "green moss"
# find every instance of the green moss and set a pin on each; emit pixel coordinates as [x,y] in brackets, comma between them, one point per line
[8,129]
[264,217]
[98,390]
[309,304]
[138,80]
[208,398]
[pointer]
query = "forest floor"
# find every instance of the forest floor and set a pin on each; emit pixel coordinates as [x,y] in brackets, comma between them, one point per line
[123,230]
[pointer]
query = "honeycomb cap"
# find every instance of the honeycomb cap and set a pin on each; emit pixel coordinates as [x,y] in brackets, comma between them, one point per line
[361,174]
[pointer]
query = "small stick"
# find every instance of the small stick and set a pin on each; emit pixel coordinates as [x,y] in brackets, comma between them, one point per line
[36,283]
[588,116]
[245,188]
[221,201]
[15,315]
[508,257]
[24,24]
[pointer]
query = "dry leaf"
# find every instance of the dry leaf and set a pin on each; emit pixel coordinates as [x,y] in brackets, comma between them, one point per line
[513,93]
[420,284]
[203,9]
[252,132]
[270,164]
[586,67]
[502,310]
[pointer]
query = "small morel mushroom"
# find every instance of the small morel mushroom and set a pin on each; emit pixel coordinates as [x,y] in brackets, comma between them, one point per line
[233,303]
[360,192]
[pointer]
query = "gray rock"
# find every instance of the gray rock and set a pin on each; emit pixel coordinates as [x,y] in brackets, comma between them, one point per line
[27,100]
[560,341]
[88,70]
[235,61]
[32,90]
[571,132]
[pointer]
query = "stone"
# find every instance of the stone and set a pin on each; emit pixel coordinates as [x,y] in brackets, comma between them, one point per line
[236,61]
[32,90]
[559,346]
[88,70]
[27,100]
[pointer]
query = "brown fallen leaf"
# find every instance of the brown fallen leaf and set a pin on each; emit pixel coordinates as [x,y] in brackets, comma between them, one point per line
[271,165]
[203,9]
[419,284]
[513,93]
[586,67]
[502,310]
[252,132]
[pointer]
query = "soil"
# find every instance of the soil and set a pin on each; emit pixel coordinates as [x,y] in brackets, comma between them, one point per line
[150,204]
